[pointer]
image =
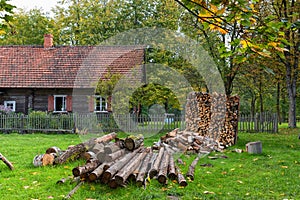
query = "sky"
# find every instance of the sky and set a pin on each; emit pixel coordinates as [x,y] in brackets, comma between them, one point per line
[46,5]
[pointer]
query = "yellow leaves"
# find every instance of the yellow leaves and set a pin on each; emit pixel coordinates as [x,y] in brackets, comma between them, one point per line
[244,43]
[208,192]
[284,167]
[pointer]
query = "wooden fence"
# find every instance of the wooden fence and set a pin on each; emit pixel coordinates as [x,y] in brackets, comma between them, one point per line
[101,122]
[107,122]
[260,122]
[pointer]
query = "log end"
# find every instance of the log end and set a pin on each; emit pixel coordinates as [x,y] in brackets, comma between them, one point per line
[76,172]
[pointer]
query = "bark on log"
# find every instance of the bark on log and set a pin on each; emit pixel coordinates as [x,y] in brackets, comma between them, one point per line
[55,150]
[8,164]
[154,170]
[129,168]
[113,156]
[191,170]
[172,170]
[94,175]
[181,180]
[143,170]
[89,155]
[111,148]
[134,142]
[110,172]
[163,168]
[75,151]
[98,147]
[90,166]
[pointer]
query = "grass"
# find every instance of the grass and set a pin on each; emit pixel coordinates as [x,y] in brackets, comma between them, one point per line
[274,174]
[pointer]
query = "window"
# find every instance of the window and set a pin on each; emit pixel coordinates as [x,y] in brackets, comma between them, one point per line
[60,104]
[11,105]
[100,104]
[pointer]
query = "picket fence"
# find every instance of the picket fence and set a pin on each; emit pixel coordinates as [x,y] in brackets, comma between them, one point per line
[107,122]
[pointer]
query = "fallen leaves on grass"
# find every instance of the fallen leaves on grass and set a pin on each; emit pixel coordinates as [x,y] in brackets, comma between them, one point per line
[208,192]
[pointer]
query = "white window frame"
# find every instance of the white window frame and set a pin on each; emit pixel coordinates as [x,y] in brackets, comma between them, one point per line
[100,102]
[64,103]
[13,105]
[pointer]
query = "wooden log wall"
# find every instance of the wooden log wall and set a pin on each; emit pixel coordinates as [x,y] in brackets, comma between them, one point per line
[213,115]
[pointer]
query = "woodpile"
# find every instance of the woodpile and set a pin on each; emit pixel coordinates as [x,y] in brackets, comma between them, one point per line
[214,116]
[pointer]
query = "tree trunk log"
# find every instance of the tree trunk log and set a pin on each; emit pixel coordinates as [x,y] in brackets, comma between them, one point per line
[144,169]
[111,148]
[113,156]
[191,170]
[154,170]
[181,180]
[129,168]
[90,166]
[75,151]
[94,175]
[110,172]
[8,164]
[134,142]
[172,170]
[163,168]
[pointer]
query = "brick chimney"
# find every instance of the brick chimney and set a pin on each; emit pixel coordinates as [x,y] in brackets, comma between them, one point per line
[48,40]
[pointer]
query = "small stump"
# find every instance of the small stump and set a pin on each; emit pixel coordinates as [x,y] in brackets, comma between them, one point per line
[254,147]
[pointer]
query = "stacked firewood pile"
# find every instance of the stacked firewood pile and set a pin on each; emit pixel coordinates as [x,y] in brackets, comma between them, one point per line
[115,162]
[214,116]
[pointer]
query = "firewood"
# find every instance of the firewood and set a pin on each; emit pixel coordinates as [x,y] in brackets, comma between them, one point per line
[144,169]
[64,180]
[54,150]
[181,180]
[97,148]
[129,168]
[191,170]
[113,183]
[89,155]
[101,156]
[163,168]
[113,156]
[133,142]
[88,167]
[94,175]
[111,148]
[112,170]
[75,151]
[172,170]
[154,170]
[48,159]
[6,161]
[106,138]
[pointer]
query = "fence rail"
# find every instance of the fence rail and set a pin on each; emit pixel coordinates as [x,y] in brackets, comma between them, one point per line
[260,122]
[107,122]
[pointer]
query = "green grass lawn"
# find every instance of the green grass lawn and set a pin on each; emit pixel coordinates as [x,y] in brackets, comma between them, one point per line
[274,174]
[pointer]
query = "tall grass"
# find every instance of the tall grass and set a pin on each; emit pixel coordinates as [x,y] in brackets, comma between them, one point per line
[274,174]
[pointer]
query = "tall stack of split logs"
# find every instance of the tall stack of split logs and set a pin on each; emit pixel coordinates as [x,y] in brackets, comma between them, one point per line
[214,116]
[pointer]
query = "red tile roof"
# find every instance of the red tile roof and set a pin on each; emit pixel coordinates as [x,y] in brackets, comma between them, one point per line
[65,66]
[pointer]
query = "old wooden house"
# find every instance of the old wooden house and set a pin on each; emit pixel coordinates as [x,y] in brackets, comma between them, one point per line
[44,77]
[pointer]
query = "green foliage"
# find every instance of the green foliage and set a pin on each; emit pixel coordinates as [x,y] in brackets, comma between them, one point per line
[6,11]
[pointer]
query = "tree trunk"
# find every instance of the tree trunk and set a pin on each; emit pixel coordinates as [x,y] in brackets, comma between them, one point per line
[90,166]
[181,180]
[124,173]
[134,142]
[154,170]
[172,170]
[110,172]
[191,170]
[113,156]
[143,170]
[163,168]
[94,175]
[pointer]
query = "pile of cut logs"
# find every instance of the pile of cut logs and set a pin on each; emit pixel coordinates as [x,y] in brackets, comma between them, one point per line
[117,162]
[214,116]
